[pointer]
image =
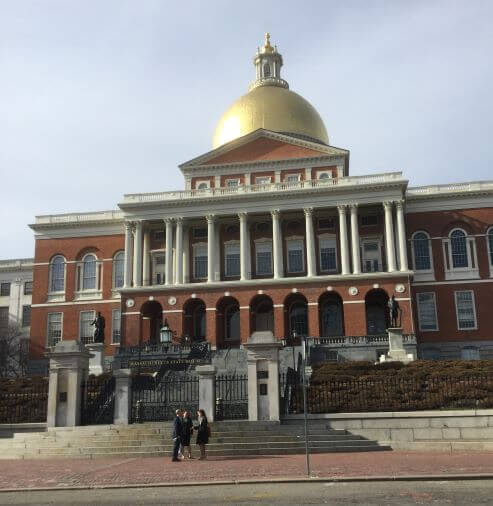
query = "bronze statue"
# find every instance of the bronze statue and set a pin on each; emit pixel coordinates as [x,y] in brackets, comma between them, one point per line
[99,324]
[395,312]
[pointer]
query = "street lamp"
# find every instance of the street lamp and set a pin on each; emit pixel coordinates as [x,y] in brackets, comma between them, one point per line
[165,334]
[304,342]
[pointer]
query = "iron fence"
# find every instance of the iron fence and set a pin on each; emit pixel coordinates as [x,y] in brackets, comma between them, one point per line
[156,399]
[388,394]
[98,400]
[22,401]
[231,397]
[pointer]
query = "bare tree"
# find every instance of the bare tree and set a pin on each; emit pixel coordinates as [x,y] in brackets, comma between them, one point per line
[13,352]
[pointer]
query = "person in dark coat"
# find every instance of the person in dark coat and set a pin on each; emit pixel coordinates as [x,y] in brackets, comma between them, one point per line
[202,432]
[177,435]
[187,433]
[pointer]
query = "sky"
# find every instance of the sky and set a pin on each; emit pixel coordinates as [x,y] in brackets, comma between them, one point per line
[101,98]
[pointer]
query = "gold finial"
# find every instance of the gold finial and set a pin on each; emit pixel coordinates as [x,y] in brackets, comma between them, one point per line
[267,47]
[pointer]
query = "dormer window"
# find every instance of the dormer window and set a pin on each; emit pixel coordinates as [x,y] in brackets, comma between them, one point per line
[292,178]
[324,175]
[263,180]
[203,185]
[232,183]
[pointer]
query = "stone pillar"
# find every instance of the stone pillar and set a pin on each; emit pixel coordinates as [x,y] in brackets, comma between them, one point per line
[277,245]
[401,234]
[186,255]
[127,275]
[211,247]
[311,264]
[138,254]
[207,390]
[179,252]
[69,364]
[389,236]
[263,376]
[169,251]
[96,361]
[123,396]
[343,239]
[245,264]
[146,277]
[355,239]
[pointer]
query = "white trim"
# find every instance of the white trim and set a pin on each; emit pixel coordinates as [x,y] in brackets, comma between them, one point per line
[353,301]
[210,309]
[244,307]
[130,312]
[453,282]
[489,251]
[78,302]
[437,328]
[312,303]
[172,311]
[473,309]
[277,305]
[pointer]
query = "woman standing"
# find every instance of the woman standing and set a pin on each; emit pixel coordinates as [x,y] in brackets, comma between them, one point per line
[187,433]
[202,432]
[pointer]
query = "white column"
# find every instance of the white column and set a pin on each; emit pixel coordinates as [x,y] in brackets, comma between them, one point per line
[186,255]
[277,245]
[343,239]
[179,252]
[355,239]
[169,251]
[311,265]
[389,236]
[245,267]
[401,233]
[146,278]
[138,254]
[211,247]
[127,276]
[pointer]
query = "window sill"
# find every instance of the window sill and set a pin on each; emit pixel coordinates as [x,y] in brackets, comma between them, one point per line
[115,294]
[424,276]
[88,295]
[56,297]
[462,274]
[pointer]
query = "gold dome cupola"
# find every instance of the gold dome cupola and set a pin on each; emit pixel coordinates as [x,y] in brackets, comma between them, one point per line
[270,105]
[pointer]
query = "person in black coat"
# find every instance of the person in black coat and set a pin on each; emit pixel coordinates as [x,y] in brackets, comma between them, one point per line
[187,433]
[202,432]
[177,435]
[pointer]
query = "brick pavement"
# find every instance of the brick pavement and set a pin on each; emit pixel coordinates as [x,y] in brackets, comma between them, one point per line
[82,472]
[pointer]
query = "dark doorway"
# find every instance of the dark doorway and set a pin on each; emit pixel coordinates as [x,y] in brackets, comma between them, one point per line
[377,314]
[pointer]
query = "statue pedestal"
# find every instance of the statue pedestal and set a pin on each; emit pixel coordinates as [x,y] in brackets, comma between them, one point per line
[96,362]
[396,353]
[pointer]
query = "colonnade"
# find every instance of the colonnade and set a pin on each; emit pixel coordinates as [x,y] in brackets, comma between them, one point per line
[176,269]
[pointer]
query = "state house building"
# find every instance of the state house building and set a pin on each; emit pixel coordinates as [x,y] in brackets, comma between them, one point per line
[272,232]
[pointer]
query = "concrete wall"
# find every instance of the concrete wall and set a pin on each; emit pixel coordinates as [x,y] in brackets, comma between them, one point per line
[460,430]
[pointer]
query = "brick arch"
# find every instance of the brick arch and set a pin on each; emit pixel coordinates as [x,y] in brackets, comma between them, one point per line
[331,314]
[86,250]
[194,319]
[228,307]
[457,224]
[295,314]
[261,313]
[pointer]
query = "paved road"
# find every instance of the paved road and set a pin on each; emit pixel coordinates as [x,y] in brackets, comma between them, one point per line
[460,493]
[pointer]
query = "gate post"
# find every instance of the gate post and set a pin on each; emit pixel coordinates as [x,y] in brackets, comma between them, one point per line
[69,363]
[123,396]
[207,390]
[263,376]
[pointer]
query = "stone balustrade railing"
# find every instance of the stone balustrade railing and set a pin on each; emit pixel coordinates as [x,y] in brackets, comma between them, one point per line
[50,219]
[348,341]
[450,188]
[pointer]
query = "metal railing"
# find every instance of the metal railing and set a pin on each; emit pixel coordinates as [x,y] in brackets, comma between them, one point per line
[22,401]
[231,397]
[391,394]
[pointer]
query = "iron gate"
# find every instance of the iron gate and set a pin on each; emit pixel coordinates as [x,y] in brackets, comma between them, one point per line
[157,399]
[97,400]
[232,397]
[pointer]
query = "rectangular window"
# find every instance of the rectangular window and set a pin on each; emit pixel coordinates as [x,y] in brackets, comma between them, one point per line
[464,306]
[292,178]
[54,328]
[328,255]
[86,330]
[263,180]
[4,318]
[264,258]
[427,311]
[26,316]
[369,220]
[232,259]
[28,288]
[158,269]
[371,256]
[4,289]
[296,262]
[115,326]
[200,262]
[232,183]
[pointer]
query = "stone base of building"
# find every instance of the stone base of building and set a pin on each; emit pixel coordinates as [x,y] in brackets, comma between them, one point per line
[458,350]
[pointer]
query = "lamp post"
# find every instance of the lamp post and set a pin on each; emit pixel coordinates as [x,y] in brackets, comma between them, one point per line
[165,335]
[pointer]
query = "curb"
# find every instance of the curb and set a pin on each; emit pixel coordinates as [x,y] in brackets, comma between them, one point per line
[332,479]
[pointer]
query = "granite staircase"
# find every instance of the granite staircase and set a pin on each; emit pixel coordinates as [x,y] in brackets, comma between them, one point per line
[228,439]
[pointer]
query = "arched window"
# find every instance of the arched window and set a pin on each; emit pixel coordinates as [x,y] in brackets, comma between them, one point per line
[57,274]
[298,319]
[118,269]
[323,175]
[331,317]
[203,186]
[232,322]
[266,70]
[89,272]
[458,245]
[199,322]
[421,251]
[489,238]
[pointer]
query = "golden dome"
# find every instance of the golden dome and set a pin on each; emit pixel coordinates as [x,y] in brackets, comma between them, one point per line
[270,105]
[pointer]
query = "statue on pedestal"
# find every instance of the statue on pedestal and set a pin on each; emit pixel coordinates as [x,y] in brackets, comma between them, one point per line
[99,324]
[395,312]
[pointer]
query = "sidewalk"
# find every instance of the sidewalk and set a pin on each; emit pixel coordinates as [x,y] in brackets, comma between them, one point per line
[62,473]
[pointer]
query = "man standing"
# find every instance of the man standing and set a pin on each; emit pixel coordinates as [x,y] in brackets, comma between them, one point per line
[177,435]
